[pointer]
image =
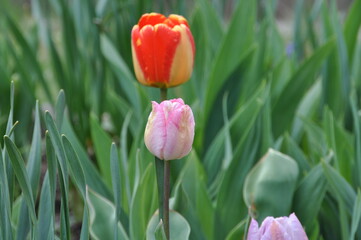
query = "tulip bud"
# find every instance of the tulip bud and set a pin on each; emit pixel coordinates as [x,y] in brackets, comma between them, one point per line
[282,228]
[170,129]
[163,50]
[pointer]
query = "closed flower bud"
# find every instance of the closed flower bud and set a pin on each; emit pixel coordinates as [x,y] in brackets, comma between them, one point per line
[163,50]
[170,129]
[282,228]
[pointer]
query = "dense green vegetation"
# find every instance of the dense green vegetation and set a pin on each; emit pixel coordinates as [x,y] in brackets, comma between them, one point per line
[252,89]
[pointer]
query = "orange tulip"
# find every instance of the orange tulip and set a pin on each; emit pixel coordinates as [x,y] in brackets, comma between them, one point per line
[163,50]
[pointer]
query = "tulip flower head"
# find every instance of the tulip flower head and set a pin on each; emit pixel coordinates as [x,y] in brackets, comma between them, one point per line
[170,129]
[163,50]
[282,228]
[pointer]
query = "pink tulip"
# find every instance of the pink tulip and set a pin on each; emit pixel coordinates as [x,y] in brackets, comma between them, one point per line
[170,129]
[282,228]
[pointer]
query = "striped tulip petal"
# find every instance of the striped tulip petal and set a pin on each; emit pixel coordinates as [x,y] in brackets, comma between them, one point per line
[170,129]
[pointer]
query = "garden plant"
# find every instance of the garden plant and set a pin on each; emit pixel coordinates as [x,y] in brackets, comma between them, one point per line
[205,120]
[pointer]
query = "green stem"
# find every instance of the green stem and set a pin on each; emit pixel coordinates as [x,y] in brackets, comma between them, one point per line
[163,94]
[159,167]
[166,197]
[163,182]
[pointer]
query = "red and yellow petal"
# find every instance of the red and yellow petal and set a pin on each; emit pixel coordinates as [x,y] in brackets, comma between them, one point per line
[154,47]
[163,50]
[183,61]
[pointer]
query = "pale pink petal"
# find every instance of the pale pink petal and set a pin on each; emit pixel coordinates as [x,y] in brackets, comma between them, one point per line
[170,129]
[295,228]
[266,224]
[253,231]
[180,132]
[155,131]
[275,231]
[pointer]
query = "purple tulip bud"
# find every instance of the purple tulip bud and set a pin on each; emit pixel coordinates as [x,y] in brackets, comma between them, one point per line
[282,228]
[170,129]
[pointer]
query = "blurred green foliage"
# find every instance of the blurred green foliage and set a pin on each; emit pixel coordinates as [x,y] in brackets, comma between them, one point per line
[252,89]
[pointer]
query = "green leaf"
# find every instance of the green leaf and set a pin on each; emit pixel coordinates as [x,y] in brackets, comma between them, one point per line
[126,79]
[300,82]
[102,217]
[240,124]
[23,178]
[192,200]
[33,169]
[270,185]
[235,46]
[230,207]
[116,182]
[238,231]
[5,209]
[311,189]
[92,177]
[179,227]
[59,109]
[29,56]
[46,218]
[144,204]
[63,173]
[351,27]
[340,187]
[102,143]
[74,164]
[356,216]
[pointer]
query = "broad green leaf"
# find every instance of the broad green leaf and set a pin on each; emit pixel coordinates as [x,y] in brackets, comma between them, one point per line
[5,209]
[239,125]
[270,185]
[117,185]
[356,216]
[46,218]
[33,170]
[126,79]
[192,199]
[299,83]
[340,187]
[59,109]
[102,217]
[357,132]
[102,143]
[351,27]
[238,231]
[63,174]
[235,46]
[179,227]
[74,166]
[144,204]
[92,176]
[21,175]
[311,189]
[230,206]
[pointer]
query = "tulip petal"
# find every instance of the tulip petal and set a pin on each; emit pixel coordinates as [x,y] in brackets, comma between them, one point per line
[154,48]
[163,50]
[276,232]
[184,56]
[298,233]
[253,231]
[179,130]
[155,132]
[151,19]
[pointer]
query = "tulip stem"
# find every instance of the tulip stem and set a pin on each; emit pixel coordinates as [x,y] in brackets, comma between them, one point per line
[159,167]
[163,182]
[166,197]
[163,94]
